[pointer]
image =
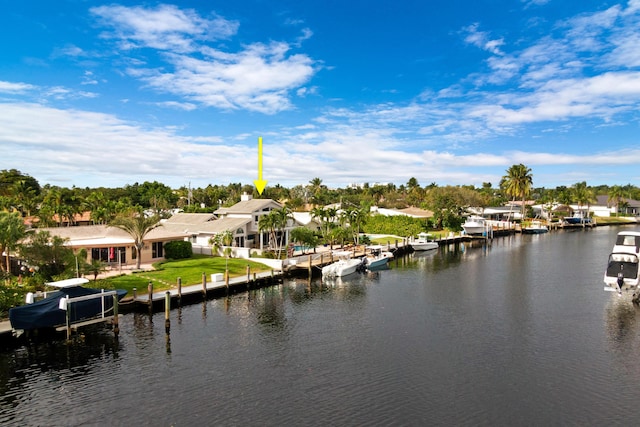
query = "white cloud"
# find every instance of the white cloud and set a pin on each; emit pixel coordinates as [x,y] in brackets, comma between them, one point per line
[166,27]
[13,88]
[258,78]
[481,39]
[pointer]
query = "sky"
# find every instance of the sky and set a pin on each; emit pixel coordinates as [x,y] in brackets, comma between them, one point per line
[451,92]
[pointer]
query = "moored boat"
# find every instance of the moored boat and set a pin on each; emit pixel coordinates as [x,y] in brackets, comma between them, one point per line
[535,227]
[622,273]
[70,300]
[343,266]
[475,225]
[377,257]
[424,242]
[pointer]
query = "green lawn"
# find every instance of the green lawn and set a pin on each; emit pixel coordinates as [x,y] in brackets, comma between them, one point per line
[189,270]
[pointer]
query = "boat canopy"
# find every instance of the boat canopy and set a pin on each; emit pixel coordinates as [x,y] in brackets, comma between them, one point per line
[68,282]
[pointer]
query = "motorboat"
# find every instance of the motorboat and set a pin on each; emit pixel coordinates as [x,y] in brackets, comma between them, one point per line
[71,302]
[423,242]
[577,218]
[343,266]
[535,227]
[475,225]
[377,257]
[622,273]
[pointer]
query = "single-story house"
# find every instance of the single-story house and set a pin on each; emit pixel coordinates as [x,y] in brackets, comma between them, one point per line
[113,245]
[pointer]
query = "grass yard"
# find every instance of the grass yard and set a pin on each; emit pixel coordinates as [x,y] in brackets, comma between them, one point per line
[190,270]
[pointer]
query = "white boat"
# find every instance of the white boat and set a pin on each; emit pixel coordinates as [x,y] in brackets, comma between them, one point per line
[475,225]
[535,227]
[377,257]
[423,242]
[343,266]
[622,274]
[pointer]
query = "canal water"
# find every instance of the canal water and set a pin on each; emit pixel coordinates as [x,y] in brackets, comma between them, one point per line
[517,331]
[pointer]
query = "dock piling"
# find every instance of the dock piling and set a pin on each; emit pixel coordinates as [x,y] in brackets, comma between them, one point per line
[167,310]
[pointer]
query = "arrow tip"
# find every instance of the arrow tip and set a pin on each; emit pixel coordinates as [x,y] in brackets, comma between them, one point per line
[260,184]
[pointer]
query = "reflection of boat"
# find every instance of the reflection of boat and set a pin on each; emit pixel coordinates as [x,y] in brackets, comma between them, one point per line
[475,225]
[377,257]
[80,303]
[622,272]
[424,242]
[535,227]
[345,265]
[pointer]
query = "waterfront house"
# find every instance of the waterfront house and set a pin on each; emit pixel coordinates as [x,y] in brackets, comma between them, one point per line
[113,245]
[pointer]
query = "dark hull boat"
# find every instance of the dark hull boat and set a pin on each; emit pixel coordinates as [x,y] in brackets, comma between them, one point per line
[47,313]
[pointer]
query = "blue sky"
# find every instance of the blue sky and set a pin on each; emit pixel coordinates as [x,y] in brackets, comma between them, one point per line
[452,92]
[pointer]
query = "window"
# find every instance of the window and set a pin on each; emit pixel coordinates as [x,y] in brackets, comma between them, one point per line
[156,250]
[109,255]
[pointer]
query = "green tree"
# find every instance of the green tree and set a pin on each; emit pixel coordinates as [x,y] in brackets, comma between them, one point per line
[48,255]
[12,230]
[137,226]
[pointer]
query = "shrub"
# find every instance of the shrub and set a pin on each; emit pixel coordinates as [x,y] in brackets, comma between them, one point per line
[178,249]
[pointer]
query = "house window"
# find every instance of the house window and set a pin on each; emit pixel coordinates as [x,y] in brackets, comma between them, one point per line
[156,250]
[109,255]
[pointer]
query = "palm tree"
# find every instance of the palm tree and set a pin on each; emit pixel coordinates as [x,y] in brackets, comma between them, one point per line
[11,232]
[267,223]
[583,195]
[137,226]
[616,195]
[517,183]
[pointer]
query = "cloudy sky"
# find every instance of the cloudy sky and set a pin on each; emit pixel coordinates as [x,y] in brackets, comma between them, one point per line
[349,91]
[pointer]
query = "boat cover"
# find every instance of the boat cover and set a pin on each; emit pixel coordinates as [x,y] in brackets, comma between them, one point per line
[46,313]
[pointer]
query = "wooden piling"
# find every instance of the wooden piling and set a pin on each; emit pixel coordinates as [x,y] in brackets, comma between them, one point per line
[150,290]
[204,285]
[309,265]
[167,310]
[179,290]
[135,294]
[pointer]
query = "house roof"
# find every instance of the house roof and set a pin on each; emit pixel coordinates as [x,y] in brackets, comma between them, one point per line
[103,234]
[189,218]
[222,225]
[604,200]
[248,206]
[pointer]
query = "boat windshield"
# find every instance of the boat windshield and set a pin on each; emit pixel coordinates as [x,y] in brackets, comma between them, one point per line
[628,240]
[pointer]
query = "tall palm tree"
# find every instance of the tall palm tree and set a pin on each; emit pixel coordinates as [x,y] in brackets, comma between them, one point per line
[517,183]
[137,226]
[583,195]
[616,195]
[267,223]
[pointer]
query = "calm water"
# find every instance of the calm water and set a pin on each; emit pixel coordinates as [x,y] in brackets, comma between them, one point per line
[516,332]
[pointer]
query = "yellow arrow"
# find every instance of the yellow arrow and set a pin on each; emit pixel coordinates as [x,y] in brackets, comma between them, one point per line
[260,183]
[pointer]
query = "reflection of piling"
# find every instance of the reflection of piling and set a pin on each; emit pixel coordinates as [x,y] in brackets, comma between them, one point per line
[116,327]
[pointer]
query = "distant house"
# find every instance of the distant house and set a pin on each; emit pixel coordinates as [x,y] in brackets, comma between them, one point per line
[626,206]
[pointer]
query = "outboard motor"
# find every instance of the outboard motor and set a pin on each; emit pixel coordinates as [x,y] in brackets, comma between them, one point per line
[620,280]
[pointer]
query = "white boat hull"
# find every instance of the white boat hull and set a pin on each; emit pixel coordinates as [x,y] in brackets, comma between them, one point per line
[424,246]
[341,268]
